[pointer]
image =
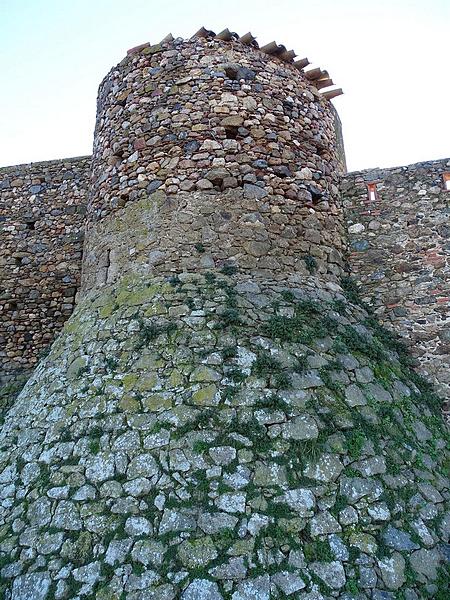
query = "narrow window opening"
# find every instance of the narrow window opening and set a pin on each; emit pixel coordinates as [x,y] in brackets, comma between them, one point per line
[106,265]
[372,192]
[446,178]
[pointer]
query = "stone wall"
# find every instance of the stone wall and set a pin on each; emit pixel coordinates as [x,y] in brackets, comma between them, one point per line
[242,147]
[42,220]
[399,252]
[223,439]
[217,418]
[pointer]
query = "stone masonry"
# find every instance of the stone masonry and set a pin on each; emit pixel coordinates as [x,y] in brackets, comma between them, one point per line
[217,129]
[42,214]
[42,232]
[399,246]
[222,417]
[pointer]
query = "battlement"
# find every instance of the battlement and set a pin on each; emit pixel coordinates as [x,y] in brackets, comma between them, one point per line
[320,77]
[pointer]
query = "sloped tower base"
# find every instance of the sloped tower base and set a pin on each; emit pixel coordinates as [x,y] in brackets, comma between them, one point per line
[211,437]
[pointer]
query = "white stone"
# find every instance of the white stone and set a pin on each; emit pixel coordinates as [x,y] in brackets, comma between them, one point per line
[232,502]
[301,500]
[356,228]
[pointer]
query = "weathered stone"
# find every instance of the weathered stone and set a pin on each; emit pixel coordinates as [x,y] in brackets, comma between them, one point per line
[143,465]
[39,512]
[100,467]
[399,540]
[117,551]
[355,488]
[235,568]
[253,588]
[332,573]
[148,552]
[197,553]
[231,502]
[364,542]
[354,396]
[135,526]
[176,521]
[302,427]
[33,586]
[426,562]
[254,191]
[67,516]
[222,455]
[324,523]
[374,465]
[393,571]
[289,583]
[301,500]
[202,589]
[326,469]
[214,522]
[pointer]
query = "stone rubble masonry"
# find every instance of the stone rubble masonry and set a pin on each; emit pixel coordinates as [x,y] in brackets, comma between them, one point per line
[217,420]
[232,158]
[42,208]
[242,150]
[399,252]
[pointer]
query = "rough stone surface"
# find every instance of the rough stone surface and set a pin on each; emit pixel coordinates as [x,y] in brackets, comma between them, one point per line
[399,249]
[220,417]
[42,214]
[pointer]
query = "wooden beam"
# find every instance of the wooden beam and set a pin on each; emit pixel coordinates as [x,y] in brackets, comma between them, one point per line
[332,93]
[273,49]
[288,55]
[301,63]
[224,35]
[248,39]
[203,33]
[316,73]
[323,83]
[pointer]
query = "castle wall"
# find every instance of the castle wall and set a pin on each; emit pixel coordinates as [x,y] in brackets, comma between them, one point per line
[241,149]
[399,251]
[42,208]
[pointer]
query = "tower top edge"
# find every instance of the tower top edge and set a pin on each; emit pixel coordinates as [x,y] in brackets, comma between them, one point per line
[316,75]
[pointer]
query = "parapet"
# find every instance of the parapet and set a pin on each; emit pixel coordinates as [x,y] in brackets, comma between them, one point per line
[232,154]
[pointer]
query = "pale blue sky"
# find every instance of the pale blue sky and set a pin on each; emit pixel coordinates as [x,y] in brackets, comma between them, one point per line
[390,56]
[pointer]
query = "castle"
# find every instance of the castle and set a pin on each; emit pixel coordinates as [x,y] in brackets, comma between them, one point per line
[217,415]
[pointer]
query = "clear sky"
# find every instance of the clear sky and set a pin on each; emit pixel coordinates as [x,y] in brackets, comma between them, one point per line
[390,56]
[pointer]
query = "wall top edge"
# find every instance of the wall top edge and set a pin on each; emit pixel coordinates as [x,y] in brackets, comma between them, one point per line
[44,163]
[438,162]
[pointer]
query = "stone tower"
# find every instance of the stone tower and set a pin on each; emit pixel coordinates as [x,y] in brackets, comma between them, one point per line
[242,150]
[220,418]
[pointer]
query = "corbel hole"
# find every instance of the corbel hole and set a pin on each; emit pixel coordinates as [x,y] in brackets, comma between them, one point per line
[231,132]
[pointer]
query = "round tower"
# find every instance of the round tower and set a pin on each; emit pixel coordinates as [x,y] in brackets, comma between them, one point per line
[219,420]
[212,152]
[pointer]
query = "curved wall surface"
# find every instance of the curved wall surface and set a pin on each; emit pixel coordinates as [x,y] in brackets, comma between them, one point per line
[217,420]
[235,142]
